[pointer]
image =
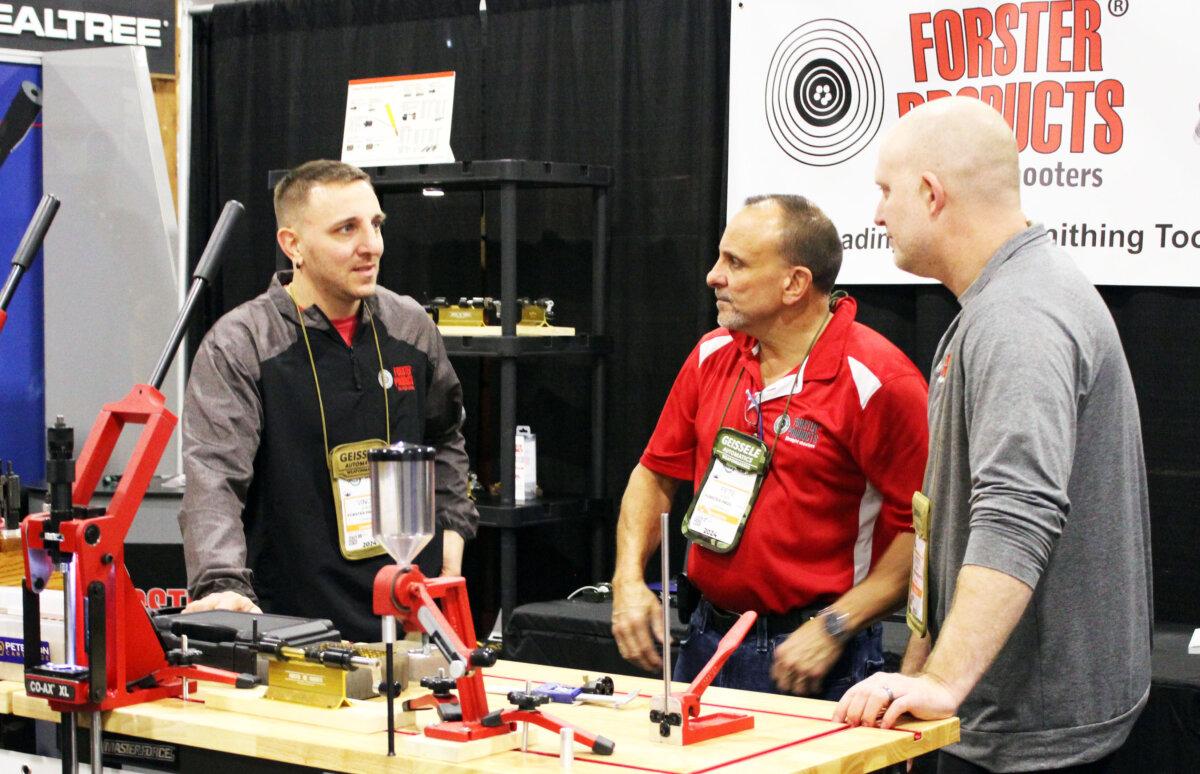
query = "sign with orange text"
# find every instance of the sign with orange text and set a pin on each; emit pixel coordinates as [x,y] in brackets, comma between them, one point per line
[1103,97]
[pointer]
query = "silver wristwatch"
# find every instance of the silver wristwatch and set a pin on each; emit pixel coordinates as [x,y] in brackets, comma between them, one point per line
[837,624]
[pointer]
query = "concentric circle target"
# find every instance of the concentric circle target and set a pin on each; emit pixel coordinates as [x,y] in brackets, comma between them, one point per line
[824,93]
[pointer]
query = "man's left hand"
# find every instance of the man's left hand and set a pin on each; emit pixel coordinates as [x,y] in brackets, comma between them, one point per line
[892,695]
[804,658]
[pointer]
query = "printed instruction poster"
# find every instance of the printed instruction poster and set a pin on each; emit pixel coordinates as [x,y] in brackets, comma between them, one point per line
[403,119]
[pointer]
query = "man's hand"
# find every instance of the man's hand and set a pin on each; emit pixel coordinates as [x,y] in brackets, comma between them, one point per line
[804,658]
[637,624]
[452,553]
[891,695]
[223,600]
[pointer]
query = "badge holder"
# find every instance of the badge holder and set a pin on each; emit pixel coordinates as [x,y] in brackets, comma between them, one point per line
[718,513]
[918,600]
[350,476]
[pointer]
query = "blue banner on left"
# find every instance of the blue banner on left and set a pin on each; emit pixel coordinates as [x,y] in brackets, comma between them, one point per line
[22,370]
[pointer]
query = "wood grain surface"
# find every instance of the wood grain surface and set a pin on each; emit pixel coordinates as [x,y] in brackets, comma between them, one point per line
[790,735]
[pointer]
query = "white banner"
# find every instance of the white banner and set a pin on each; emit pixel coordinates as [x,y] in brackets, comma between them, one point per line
[1103,96]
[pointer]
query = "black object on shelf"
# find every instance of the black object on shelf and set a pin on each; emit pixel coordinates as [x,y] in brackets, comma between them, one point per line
[508,176]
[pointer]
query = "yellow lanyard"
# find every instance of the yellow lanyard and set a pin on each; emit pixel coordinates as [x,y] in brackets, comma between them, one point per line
[387,418]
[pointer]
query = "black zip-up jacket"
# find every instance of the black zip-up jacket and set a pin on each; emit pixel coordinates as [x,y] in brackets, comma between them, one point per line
[258,513]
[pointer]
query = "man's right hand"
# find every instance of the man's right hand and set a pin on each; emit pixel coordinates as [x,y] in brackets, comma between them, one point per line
[223,600]
[637,624]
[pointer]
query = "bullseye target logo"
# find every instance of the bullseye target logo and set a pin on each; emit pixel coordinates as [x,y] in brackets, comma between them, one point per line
[824,93]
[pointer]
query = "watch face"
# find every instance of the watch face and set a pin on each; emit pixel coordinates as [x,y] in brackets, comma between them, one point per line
[835,624]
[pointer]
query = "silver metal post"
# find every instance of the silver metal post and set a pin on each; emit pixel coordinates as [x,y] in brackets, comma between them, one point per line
[664,552]
[566,748]
[525,726]
[68,573]
[183,644]
[98,741]
[70,719]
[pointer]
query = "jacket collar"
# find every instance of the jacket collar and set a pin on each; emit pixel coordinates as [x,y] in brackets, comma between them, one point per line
[314,317]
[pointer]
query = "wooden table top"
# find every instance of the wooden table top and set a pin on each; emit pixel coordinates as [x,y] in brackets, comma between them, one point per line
[791,734]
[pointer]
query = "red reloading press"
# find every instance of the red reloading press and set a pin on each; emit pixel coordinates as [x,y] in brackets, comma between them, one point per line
[403,519]
[113,657]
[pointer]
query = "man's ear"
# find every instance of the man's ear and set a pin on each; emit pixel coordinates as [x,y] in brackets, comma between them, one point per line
[933,194]
[289,242]
[799,280]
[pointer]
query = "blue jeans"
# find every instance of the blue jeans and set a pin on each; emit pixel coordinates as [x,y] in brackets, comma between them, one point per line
[749,667]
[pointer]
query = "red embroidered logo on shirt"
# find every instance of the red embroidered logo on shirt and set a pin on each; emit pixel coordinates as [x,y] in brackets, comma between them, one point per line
[944,368]
[402,376]
[804,432]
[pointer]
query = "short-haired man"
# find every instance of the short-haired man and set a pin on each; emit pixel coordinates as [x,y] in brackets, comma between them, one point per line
[837,416]
[1036,563]
[285,394]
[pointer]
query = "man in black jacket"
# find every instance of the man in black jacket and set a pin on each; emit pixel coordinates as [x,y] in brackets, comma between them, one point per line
[287,391]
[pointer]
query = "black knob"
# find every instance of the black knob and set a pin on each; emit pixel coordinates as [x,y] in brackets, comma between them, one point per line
[482,657]
[441,686]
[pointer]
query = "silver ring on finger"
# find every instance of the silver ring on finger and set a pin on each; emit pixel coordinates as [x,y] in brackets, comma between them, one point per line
[890,696]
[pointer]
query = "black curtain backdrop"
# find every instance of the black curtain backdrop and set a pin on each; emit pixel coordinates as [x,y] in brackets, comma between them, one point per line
[639,85]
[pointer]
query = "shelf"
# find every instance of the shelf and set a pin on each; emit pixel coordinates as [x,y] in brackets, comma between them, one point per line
[542,510]
[526,346]
[482,174]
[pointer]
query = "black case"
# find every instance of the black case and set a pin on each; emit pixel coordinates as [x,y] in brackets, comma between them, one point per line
[223,636]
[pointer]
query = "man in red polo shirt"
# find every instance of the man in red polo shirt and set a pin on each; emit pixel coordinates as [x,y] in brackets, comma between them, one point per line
[836,413]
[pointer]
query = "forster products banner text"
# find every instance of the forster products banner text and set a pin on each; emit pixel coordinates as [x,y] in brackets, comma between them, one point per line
[1103,97]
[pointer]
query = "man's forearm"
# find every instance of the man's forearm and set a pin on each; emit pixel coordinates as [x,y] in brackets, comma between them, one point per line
[646,496]
[883,590]
[986,607]
[915,655]
[452,552]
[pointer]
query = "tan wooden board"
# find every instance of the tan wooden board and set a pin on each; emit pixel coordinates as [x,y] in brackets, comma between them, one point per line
[790,734]
[361,717]
[494,330]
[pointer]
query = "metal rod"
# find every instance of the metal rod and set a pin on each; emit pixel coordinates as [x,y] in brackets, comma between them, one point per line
[389,639]
[664,552]
[70,750]
[205,269]
[183,645]
[525,726]
[98,741]
[69,610]
[30,243]
[566,748]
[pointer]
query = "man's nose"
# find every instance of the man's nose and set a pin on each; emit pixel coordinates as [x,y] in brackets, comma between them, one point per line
[372,242]
[715,277]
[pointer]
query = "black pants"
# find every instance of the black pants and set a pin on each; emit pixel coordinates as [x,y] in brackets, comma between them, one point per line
[945,763]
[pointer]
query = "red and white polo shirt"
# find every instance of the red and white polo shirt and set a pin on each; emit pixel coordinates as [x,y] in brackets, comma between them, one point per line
[850,454]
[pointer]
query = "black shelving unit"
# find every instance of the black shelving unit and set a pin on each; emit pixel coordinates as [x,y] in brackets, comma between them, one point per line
[508,177]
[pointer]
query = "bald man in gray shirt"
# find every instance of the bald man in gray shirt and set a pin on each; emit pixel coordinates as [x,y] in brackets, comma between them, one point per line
[1036,570]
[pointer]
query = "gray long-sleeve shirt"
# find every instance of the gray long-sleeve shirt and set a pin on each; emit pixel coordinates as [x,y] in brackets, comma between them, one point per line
[1036,470]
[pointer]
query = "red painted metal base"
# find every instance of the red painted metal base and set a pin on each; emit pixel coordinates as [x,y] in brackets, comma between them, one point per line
[133,653]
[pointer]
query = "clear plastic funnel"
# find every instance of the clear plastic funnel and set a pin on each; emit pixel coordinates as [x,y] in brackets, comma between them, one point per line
[402,515]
